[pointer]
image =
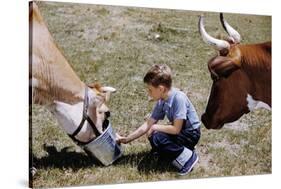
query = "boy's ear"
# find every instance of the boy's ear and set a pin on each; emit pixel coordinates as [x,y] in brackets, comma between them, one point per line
[162,88]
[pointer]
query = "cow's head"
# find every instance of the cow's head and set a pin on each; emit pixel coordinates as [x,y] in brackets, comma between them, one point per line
[98,110]
[227,100]
[70,115]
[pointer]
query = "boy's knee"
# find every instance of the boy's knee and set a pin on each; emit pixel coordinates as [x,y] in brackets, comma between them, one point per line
[158,138]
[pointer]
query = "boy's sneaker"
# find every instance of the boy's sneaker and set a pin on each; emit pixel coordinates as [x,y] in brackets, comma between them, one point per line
[188,166]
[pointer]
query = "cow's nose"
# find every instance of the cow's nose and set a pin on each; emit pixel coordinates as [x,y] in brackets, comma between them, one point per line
[107,114]
[204,119]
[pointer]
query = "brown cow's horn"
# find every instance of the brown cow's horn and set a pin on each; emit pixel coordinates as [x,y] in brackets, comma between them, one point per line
[217,43]
[235,36]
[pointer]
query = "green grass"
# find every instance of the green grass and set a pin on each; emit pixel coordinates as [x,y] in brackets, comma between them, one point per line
[116,46]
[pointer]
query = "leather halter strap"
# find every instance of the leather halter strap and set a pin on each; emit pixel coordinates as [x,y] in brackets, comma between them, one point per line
[85,117]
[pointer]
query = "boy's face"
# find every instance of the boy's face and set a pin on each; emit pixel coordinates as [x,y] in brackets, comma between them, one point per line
[156,93]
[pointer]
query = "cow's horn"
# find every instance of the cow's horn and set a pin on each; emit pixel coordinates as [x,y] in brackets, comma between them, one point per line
[235,36]
[217,43]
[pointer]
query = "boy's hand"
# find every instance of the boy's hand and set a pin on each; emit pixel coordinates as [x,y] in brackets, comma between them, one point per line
[121,139]
[151,130]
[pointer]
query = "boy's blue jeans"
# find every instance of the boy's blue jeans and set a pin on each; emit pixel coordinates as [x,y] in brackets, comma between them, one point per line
[170,146]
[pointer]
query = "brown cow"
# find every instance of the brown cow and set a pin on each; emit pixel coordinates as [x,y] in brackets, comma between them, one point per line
[241,77]
[55,85]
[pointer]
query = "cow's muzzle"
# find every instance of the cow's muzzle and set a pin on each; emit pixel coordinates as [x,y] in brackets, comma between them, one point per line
[210,123]
[204,119]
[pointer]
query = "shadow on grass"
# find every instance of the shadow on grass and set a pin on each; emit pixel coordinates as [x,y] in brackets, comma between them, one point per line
[64,159]
[146,162]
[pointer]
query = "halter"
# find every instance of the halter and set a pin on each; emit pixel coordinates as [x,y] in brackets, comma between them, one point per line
[84,118]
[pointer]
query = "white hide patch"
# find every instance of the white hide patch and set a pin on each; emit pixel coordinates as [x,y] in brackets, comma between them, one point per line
[254,104]
[68,116]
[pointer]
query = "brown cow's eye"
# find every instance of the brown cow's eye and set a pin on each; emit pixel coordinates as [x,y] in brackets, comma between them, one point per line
[224,52]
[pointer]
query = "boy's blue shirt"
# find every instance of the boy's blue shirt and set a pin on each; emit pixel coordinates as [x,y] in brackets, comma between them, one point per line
[177,106]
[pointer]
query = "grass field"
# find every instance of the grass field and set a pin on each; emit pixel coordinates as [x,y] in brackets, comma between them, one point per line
[116,46]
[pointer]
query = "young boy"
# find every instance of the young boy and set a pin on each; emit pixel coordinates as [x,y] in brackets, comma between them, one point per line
[174,142]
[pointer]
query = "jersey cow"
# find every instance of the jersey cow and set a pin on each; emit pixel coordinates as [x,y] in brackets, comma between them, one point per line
[241,77]
[79,109]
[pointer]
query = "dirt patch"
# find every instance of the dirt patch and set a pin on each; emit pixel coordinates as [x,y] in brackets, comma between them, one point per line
[229,148]
[237,125]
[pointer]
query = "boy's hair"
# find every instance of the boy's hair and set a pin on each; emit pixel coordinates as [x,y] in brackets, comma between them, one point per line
[159,75]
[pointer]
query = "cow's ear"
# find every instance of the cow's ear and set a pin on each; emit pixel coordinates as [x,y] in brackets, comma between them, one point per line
[107,91]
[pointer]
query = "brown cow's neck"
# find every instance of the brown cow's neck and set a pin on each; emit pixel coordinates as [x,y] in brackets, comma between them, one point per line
[255,63]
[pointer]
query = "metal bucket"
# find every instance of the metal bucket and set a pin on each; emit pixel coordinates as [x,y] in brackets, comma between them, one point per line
[104,147]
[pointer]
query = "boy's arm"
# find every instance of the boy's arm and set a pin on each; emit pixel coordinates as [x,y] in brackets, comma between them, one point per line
[138,132]
[169,129]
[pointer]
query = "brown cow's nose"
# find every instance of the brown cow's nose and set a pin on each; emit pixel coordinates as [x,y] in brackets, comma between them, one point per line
[210,122]
[204,120]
